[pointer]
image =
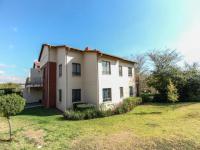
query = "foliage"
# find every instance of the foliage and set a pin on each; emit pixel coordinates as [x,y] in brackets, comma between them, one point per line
[106,106]
[147,97]
[172,93]
[127,105]
[10,105]
[90,113]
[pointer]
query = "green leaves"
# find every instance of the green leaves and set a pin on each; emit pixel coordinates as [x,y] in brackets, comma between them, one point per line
[11,104]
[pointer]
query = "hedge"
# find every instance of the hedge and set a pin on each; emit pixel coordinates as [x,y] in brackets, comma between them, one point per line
[91,112]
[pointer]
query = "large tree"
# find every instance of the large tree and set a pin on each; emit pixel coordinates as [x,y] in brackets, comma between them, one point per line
[163,69]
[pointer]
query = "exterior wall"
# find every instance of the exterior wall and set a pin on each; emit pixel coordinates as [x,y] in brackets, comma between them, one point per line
[90,78]
[44,57]
[114,81]
[32,94]
[74,82]
[61,81]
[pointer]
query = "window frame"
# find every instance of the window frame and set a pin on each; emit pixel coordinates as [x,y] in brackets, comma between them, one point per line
[75,97]
[121,89]
[131,94]
[76,72]
[109,94]
[60,95]
[60,70]
[120,70]
[130,71]
[106,70]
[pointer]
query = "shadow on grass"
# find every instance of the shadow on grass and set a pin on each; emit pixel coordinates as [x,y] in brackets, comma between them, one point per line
[148,113]
[41,111]
[5,140]
[173,106]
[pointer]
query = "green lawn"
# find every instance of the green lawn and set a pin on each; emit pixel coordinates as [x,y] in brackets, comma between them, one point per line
[152,126]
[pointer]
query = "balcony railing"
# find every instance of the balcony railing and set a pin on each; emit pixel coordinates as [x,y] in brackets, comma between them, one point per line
[36,82]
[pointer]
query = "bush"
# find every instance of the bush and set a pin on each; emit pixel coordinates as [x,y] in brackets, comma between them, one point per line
[92,112]
[73,115]
[147,97]
[127,105]
[82,106]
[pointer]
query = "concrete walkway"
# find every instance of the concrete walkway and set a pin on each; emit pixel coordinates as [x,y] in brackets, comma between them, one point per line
[32,105]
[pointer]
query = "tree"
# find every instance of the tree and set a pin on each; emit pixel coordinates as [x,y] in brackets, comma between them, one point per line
[10,105]
[172,93]
[140,72]
[164,68]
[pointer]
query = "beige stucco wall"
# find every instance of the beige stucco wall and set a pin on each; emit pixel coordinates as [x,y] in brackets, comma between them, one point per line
[114,81]
[61,82]
[74,82]
[90,78]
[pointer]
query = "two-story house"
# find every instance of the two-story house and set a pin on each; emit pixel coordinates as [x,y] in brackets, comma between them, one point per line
[71,75]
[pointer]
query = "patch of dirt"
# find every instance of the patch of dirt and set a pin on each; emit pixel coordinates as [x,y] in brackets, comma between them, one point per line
[35,136]
[128,141]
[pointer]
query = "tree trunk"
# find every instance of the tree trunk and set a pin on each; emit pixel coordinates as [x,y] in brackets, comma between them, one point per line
[8,118]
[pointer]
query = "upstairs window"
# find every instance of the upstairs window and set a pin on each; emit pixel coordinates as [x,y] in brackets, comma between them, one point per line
[106,67]
[130,91]
[76,95]
[107,94]
[120,70]
[60,70]
[76,69]
[129,71]
[121,92]
[60,95]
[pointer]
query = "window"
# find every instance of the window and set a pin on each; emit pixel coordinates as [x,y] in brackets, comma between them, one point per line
[76,69]
[129,71]
[60,95]
[120,70]
[121,92]
[106,94]
[60,70]
[76,95]
[106,67]
[130,91]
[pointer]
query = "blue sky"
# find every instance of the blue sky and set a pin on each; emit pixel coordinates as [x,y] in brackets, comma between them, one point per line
[114,26]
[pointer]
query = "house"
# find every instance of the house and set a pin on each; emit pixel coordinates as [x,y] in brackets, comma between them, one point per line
[69,75]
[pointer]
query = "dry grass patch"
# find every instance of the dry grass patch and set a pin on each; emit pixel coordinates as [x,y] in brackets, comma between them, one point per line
[35,136]
[128,141]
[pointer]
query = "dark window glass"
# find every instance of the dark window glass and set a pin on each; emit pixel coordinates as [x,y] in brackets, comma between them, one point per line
[76,95]
[60,70]
[121,92]
[106,67]
[120,70]
[76,69]
[129,71]
[107,94]
[130,91]
[60,95]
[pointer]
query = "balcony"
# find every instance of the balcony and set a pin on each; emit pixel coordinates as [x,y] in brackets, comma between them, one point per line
[35,82]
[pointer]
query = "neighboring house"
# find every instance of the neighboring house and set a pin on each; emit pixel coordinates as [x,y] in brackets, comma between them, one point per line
[71,75]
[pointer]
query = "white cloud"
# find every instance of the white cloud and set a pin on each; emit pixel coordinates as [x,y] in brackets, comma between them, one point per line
[7,66]
[14,79]
[2,72]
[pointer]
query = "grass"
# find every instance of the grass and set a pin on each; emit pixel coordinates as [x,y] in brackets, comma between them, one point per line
[150,126]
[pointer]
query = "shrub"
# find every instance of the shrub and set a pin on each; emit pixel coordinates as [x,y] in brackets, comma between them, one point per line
[172,93]
[147,97]
[73,115]
[127,105]
[107,106]
[90,113]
